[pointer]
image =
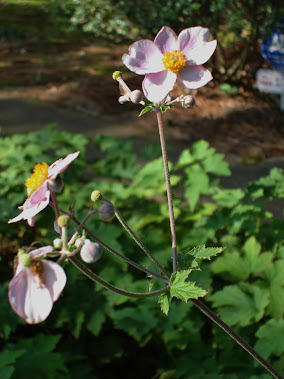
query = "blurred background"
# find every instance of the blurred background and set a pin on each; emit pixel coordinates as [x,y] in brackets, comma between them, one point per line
[57,96]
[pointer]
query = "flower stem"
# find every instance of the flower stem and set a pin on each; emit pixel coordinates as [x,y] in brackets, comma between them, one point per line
[139,243]
[104,283]
[55,204]
[168,185]
[201,306]
[129,261]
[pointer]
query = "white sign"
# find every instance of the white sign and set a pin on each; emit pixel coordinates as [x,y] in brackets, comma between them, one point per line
[271,81]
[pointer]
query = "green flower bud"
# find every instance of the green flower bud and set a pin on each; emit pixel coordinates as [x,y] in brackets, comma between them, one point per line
[57,243]
[116,75]
[25,259]
[80,242]
[96,195]
[63,220]
[106,211]
[21,251]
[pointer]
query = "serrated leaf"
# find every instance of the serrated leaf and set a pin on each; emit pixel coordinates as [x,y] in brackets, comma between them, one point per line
[184,290]
[242,307]
[164,301]
[145,110]
[189,259]
[228,197]
[216,165]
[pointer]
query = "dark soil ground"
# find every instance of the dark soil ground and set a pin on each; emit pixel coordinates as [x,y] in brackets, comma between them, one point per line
[247,124]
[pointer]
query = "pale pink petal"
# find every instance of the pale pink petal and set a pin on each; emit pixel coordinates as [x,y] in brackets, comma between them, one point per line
[41,251]
[192,37]
[166,40]
[143,57]
[200,55]
[30,210]
[39,195]
[61,165]
[29,298]
[54,278]
[193,77]
[157,86]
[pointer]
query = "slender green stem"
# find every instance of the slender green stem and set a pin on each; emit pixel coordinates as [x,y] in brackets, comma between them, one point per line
[139,243]
[168,185]
[129,261]
[201,306]
[104,283]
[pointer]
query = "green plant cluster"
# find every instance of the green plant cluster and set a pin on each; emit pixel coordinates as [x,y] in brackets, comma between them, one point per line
[94,333]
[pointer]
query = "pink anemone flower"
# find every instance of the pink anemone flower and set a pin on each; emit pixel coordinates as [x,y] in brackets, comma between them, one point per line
[39,184]
[37,284]
[170,58]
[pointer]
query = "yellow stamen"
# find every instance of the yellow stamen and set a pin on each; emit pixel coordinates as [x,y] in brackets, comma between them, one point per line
[40,173]
[37,269]
[174,61]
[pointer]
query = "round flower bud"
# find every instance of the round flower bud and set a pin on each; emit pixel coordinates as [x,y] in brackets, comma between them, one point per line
[188,101]
[56,184]
[80,242]
[57,243]
[96,195]
[116,75]
[25,259]
[106,211]
[63,220]
[136,96]
[91,252]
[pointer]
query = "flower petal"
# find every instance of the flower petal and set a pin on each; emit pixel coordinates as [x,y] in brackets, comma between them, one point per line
[54,278]
[41,251]
[157,86]
[61,165]
[29,298]
[193,77]
[144,57]
[166,39]
[33,205]
[191,37]
[200,55]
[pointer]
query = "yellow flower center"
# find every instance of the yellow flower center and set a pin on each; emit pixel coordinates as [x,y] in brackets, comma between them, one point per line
[174,61]
[37,268]
[39,175]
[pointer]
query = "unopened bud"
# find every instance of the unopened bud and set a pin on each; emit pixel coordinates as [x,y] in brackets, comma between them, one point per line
[96,196]
[63,220]
[56,227]
[123,99]
[188,101]
[57,243]
[25,259]
[80,242]
[136,96]
[106,211]
[56,184]
[116,75]
[91,252]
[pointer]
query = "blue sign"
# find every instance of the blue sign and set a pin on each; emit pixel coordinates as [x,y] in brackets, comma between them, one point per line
[272,49]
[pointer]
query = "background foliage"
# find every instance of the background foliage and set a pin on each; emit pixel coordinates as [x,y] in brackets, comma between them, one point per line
[93,333]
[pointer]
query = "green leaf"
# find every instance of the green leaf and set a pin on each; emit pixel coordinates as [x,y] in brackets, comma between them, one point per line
[189,259]
[242,307]
[164,301]
[228,197]
[216,165]
[271,338]
[145,110]
[184,290]
[196,182]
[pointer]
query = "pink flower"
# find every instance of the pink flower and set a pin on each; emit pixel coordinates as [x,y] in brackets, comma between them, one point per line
[43,180]
[36,285]
[170,58]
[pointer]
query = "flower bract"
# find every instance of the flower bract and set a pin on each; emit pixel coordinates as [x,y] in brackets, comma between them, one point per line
[170,58]
[39,186]
[36,286]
